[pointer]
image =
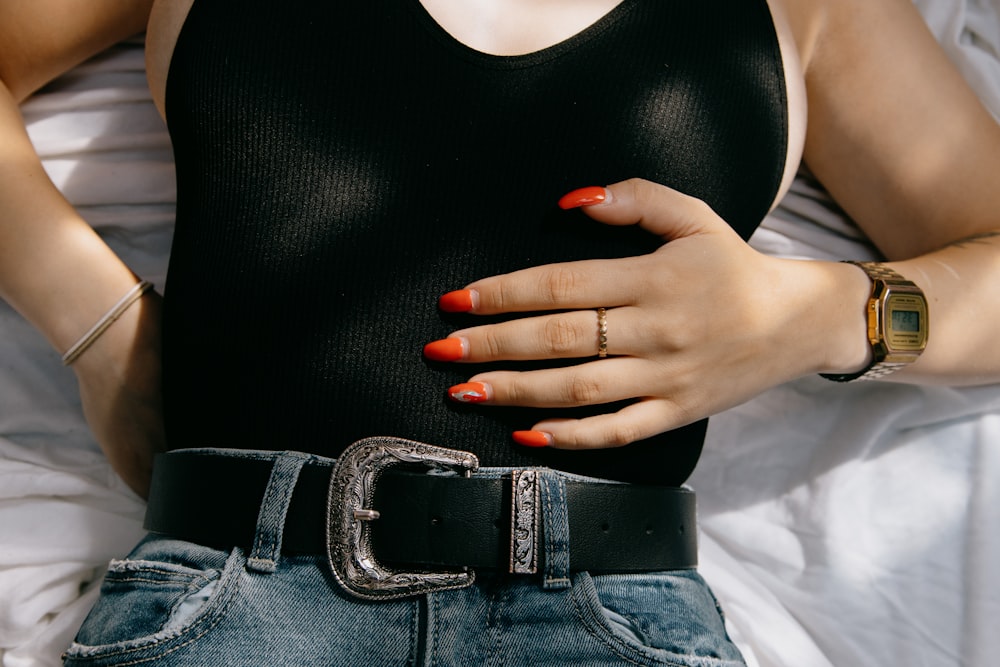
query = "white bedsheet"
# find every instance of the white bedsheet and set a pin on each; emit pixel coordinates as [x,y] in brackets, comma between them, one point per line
[840,525]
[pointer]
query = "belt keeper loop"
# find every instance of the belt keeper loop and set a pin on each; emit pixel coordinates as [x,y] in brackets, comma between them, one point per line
[273,509]
[555,531]
[525,515]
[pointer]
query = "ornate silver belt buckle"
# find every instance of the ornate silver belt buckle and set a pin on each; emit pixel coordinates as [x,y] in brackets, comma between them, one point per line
[525,513]
[349,514]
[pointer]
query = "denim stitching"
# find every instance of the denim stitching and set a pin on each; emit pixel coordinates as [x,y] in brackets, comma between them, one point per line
[216,618]
[151,581]
[125,565]
[596,629]
[498,599]
[431,651]
[270,525]
[168,577]
[553,487]
[611,642]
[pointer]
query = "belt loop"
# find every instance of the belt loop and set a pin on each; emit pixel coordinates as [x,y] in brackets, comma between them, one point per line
[555,531]
[273,509]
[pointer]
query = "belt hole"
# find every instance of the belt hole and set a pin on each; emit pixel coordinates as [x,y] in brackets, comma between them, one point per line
[436,521]
[649,530]
[605,526]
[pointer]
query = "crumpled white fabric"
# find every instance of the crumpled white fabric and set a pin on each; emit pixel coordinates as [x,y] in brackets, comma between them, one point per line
[840,525]
[860,524]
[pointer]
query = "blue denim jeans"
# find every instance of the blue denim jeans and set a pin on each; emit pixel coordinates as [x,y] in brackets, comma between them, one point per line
[177,603]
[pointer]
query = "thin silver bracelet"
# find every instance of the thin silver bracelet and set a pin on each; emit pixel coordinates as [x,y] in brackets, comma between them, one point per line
[87,339]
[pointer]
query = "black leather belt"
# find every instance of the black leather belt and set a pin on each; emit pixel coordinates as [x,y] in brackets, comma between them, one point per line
[423,520]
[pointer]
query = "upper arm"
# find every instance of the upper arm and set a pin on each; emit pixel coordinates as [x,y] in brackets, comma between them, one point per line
[40,39]
[895,134]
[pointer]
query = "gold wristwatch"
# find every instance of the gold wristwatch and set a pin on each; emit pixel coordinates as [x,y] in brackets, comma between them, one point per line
[897,323]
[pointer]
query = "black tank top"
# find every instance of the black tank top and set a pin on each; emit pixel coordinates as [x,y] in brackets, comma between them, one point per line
[340,165]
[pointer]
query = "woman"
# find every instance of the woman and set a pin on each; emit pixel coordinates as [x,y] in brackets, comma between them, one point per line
[290,196]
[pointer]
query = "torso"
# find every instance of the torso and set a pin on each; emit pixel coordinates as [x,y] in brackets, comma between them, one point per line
[525,26]
[341,165]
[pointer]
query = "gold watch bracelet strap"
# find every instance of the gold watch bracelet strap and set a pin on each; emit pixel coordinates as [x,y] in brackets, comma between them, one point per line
[879,271]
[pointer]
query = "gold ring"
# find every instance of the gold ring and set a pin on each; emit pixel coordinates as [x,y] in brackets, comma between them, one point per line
[602,333]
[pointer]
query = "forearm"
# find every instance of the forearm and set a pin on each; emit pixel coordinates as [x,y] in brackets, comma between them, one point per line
[960,282]
[53,268]
[962,285]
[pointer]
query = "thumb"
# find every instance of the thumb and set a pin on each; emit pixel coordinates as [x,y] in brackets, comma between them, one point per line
[656,208]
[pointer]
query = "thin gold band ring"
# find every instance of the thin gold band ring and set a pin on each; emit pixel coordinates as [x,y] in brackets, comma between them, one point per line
[602,333]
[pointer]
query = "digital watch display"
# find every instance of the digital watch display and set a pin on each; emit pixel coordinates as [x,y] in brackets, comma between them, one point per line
[897,321]
[905,322]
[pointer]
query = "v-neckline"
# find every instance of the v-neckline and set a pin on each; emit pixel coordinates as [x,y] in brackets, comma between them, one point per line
[529,58]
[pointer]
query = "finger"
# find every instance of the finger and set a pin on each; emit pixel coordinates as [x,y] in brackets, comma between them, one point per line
[571,335]
[656,208]
[570,285]
[660,210]
[592,383]
[632,423]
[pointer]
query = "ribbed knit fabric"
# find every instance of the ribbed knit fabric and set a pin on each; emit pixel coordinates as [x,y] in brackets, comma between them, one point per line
[340,165]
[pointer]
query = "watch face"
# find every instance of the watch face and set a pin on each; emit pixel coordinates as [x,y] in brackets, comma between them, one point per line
[905,322]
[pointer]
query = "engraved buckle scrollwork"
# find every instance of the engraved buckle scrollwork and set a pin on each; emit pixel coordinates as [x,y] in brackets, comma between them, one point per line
[349,514]
[524,522]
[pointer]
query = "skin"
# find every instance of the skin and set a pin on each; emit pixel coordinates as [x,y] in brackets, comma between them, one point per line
[890,128]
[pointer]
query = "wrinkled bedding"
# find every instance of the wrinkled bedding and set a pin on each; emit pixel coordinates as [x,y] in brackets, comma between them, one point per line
[840,524]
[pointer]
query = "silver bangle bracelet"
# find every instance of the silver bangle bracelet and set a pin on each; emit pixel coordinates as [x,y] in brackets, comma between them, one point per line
[87,339]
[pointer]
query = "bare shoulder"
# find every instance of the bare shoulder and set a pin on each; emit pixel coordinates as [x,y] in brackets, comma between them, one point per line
[788,28]
[803,20]
[895,133]
[41,39]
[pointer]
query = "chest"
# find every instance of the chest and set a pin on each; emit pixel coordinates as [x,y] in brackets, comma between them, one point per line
[384,94]
[513,27]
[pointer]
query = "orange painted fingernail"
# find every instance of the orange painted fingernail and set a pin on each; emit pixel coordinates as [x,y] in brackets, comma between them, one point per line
[584,197]
[470,392]
[459,301]
[532,438]
[449,349]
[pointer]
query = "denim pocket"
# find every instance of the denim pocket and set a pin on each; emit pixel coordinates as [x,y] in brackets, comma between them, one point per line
[657,618]
[167,594]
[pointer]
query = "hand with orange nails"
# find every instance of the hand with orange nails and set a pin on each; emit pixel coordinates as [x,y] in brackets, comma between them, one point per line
[700,325]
